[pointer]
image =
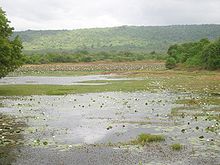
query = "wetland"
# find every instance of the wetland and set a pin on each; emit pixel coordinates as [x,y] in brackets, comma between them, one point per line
[138,114]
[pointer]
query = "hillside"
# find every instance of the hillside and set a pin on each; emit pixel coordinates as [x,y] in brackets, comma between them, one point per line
[124,38]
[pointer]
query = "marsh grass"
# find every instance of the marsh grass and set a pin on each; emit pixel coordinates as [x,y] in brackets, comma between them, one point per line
[180,111]
[25,90]
[200,102]
[148,138]
[197,81]
[176,147]
[214,117]
[153,79]
[1,105]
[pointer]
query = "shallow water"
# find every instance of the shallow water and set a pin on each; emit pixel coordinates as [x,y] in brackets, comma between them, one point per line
[47,80]
[61,122]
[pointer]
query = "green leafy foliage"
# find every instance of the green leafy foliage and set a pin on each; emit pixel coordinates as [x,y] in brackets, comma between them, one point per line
[211,55]
[10,50]
[203,53]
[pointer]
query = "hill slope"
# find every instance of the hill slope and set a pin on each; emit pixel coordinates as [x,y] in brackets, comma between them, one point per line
[124,38]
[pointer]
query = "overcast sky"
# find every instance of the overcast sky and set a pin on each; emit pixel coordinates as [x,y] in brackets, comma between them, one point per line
[73,14]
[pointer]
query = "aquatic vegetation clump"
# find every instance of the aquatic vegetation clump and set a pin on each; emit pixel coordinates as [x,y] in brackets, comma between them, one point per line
[148,138]
[176,147]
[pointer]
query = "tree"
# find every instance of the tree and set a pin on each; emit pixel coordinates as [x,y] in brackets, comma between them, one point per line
[10,49]
[187,53]
[211,56]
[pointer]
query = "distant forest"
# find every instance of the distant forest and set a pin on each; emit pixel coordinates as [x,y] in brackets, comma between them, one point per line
[125,38]
[182,44]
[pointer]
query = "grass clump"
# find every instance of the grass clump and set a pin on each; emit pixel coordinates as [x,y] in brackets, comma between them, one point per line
[176,147]
[1,105]
[211,117]
[148,138]
[26,90]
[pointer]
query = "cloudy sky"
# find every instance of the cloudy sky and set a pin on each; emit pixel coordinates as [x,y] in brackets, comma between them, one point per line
[73,14]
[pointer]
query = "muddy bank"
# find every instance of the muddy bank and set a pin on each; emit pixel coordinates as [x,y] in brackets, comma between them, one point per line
[88,155]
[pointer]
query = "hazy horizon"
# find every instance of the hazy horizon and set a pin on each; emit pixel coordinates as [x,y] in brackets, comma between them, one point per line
[72,14]
[114,27]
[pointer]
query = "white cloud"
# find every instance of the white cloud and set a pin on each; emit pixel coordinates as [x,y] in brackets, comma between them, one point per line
[71,14]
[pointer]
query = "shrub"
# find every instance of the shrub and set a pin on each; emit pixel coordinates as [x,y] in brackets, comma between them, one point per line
[170,63]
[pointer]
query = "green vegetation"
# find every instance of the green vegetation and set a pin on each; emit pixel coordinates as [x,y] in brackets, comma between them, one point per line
[210,56]
[176,147]
[116,39]
[140,163]
[24,90]
[10,50]
[152,79]
[11,135]
[214,117]
[170,63]
[213,128]
[126,43]
[148,138]
[85,56]
[204,54]
[200,102]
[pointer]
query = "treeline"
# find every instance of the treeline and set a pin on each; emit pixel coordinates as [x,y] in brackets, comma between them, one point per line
[85,56]
[204,54]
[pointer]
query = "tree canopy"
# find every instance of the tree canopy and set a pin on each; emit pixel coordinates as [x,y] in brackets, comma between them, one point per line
[10,49]
[211,55]
[204,53]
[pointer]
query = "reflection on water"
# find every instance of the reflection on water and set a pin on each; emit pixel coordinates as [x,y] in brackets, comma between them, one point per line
[61,123]
[10,138]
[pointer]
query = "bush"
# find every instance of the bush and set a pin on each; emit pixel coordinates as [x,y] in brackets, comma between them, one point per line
[170,63]
[63,57]
[86,59]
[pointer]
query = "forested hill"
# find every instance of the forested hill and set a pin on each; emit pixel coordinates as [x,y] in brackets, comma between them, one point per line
[124,38]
